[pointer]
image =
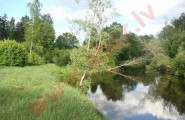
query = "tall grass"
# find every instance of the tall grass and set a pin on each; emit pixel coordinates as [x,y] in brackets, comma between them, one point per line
[20,87]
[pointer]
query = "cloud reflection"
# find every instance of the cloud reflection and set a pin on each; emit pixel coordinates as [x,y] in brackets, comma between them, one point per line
[134,105]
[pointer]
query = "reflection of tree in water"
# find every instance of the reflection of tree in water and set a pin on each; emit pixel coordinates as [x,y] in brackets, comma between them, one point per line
[112,91]
[127,85]
[140,74]
[172,91]
[93,88]
[113,86]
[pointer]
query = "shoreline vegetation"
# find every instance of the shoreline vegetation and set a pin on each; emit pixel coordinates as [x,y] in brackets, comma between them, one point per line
[21,86]
[61,67]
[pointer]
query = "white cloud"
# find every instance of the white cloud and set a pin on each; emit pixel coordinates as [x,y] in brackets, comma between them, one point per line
[61,30]
[61,10]
[60,14]
[160,8]
[125,7]
[151,29]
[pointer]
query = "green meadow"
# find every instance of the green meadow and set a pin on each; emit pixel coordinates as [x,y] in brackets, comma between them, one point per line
[21,87]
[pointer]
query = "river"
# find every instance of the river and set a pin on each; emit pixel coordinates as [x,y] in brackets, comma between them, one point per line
[146,97]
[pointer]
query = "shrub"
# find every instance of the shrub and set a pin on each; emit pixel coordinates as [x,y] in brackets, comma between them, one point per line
[159,62]
[34,58]
[61,57]
[82,59]
[180,63]
[12,54]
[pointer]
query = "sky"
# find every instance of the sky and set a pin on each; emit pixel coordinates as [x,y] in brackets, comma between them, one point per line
[61,10]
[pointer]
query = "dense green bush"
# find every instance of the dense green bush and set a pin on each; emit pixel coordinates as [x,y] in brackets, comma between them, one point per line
[35,58]
[12,54]
[61,57]
[180,63]
[160,62]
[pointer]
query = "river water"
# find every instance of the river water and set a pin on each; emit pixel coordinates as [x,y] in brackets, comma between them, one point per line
[146,97]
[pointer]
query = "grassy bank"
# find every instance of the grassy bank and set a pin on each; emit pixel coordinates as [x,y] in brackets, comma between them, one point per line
[21,87]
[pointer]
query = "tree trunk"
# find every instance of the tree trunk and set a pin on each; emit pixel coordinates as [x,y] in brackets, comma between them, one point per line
[31,47]
[31,44]
[99,44]
[82,79]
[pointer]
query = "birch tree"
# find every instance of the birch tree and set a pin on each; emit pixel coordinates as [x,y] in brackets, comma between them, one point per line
[98,14]
[35,17]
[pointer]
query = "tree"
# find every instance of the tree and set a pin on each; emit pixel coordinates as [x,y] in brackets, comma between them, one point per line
[47,37]
[179,23]
[172,36]
[47,32]
[96,18]
[20,29]
[11,30]
[147,37]
[40,33]
[66,41]
[3,27]
[34,23]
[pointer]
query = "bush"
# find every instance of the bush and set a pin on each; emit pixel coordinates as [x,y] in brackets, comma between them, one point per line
[61,57]
[180,63]
[12,54]
[82,59]
[159,62]
[34,58]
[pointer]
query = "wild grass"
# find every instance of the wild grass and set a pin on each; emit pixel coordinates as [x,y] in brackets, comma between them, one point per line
[21,87]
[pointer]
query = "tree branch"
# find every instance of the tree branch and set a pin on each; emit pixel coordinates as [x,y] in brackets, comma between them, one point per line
[126,76]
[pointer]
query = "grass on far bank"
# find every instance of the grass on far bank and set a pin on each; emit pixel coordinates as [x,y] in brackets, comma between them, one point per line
[20,87]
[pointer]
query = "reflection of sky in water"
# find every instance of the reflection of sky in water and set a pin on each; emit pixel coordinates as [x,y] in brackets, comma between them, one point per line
[134,106]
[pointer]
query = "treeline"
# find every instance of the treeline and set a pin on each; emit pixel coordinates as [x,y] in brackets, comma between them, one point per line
[166,52]
[171,47]
[37,35]
[9,29]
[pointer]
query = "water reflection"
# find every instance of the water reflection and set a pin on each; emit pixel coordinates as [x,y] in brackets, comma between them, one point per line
[152,97]
[112,86]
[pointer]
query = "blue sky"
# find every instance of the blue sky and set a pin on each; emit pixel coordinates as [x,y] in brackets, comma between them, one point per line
[60,10]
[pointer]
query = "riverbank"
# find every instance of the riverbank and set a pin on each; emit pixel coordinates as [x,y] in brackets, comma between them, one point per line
[31,93]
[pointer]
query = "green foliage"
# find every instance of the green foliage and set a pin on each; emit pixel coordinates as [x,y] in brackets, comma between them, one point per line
[34,58]
[180,63]
[4,27]
[90,61]
[71,76]
[172,36]
[61,57]
[82,60]
[66,41]
[170,39]
[135,47]
[12,54]
[159,62]
[39,32]
[128,45]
